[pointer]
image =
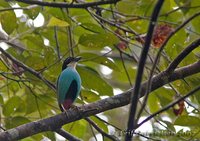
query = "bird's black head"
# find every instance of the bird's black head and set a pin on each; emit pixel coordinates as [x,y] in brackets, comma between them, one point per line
[70,60]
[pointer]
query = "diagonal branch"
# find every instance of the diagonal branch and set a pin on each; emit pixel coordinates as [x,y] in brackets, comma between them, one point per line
[55,122]
[67,135]
[25,67]
[69,5]
[182,55]
[111,137]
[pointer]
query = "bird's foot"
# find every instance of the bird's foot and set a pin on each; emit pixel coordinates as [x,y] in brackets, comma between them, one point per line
[73,107]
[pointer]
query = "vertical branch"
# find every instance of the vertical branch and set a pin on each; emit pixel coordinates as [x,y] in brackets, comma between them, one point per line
[135,94]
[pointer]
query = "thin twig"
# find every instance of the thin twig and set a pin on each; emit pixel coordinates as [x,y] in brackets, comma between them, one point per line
[112,137]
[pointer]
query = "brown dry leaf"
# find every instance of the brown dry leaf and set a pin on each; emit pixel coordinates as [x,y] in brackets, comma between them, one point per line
[161,32]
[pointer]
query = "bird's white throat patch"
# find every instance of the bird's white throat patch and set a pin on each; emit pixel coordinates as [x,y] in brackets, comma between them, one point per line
[72,64]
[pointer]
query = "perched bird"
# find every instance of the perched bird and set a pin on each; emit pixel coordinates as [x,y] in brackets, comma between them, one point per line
[68,83]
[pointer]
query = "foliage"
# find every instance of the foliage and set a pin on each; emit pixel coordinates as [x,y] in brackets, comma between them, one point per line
[110,39]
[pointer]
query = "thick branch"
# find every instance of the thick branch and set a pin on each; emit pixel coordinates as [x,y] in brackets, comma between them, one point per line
[68,5]
[55,122]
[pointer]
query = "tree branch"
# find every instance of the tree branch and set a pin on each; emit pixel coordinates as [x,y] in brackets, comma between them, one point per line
[111,137]
[55,122]
[182,55]
[25,67]
[68,5]
[143,56]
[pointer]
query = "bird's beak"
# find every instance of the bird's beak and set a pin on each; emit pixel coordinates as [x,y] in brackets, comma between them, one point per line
[77,59]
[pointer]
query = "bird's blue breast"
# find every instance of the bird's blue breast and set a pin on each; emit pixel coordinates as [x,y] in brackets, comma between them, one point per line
[68,85]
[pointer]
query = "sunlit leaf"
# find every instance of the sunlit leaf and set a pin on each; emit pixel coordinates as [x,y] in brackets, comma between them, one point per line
[187,121]
[153,103]
[57,22]
[8,21]
[89,96]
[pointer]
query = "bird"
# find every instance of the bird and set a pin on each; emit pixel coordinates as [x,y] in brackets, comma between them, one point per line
[68,83]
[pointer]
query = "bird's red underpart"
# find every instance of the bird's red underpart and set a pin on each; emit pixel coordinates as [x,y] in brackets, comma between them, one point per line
[67,103]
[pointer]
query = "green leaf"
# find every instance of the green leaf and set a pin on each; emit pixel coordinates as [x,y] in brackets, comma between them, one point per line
[56,12]
[185,3]
[187,121]
[33,13]
[57,22]
[62,38]
[51,135]
[102,60]
[8,21]
[77,128]
[11,105]
[169,125]
[31,105]
[36,62]
[93,27]
[164,95]
[100,124]
[50,55]
[1,99]
[89,96]
[16,121]
[153,103]
[98,40]
[4,3]
[91,80]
